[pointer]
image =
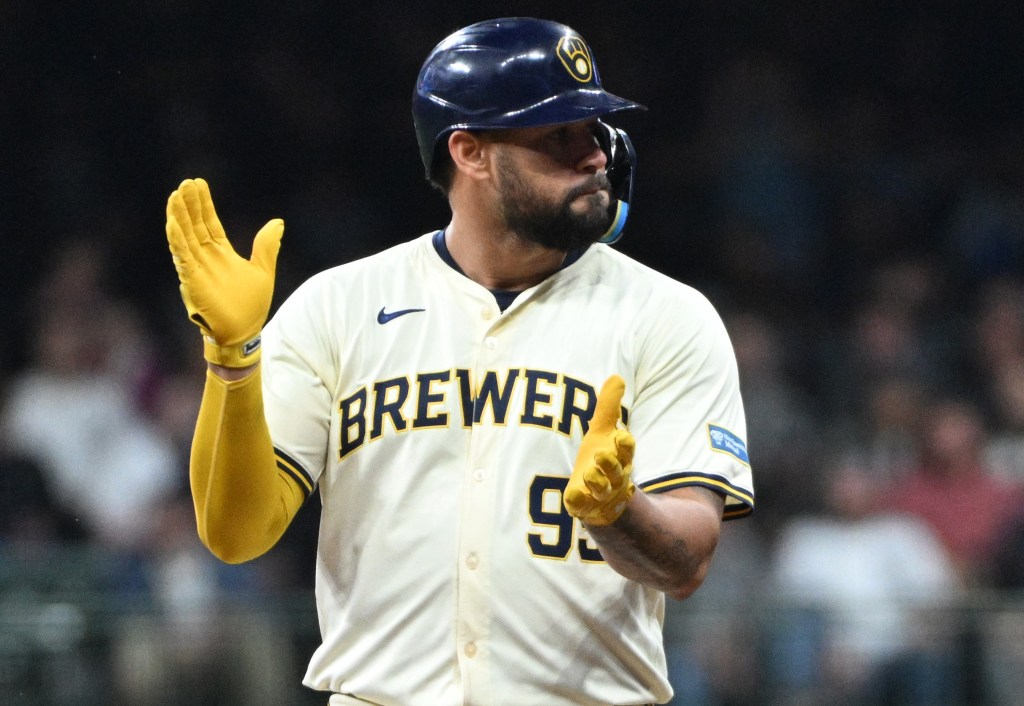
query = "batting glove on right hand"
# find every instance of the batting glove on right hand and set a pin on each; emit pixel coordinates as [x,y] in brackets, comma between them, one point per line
[600,484]
[227,296]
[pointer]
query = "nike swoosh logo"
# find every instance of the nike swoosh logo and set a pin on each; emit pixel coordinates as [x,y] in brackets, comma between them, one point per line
[383,318]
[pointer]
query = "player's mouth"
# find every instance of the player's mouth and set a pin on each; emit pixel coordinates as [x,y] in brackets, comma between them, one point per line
[593,185]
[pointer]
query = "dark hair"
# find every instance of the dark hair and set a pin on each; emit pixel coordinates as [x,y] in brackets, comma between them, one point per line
[442,172]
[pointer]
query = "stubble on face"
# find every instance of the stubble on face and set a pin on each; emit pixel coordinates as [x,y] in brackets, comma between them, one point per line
[551,223]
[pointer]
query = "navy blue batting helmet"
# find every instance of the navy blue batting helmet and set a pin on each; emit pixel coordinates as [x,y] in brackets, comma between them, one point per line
[518,72]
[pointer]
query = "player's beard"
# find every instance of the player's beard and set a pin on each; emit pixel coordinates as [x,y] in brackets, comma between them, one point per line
[534,216]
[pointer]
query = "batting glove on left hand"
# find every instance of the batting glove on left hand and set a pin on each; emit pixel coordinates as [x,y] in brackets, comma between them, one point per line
[600,484]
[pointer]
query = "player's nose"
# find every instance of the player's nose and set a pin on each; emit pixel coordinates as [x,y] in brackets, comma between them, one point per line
[593,159]
[588,157]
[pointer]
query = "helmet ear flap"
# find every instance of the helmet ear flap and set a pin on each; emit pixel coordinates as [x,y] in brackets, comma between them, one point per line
[621,168]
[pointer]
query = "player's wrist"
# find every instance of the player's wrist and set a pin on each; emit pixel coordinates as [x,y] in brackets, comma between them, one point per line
[230,374]
[607,513]
[244,355]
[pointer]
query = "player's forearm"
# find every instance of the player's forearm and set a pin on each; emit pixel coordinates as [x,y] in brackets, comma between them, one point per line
[664,541]
[243,505]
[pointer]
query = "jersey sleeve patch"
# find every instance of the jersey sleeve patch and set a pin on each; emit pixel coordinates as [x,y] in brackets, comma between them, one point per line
[724,441]
[295,471]
[739,502]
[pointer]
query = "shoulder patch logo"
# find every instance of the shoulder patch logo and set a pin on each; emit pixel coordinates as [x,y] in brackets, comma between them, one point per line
[725,441]
[575,57]
[383,317]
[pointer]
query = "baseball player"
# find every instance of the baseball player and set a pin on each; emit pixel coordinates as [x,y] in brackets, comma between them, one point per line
[523,440]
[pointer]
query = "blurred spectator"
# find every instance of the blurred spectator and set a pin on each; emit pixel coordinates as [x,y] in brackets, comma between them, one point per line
[73,411]
[28,513]
[998,338]
[711,656]
[995,358]
[1004,452]
[102,430]
[210,640]
[898,329]
[174,404]
[780,413]
[890,422]
[783,421]
[954,491]
[861,592]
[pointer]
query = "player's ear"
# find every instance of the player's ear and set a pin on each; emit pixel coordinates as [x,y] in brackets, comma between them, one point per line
[469,152]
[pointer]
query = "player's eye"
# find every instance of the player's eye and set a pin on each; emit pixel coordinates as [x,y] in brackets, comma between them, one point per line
[559,136]
[567,142]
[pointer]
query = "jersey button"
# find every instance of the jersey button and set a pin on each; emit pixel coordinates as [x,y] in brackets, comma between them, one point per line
[472,561]
[479,474]
[491,342]
[470,649]
[487,313]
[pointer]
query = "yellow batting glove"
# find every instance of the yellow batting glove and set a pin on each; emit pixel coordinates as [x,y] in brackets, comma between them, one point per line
[227,296]
[600,484]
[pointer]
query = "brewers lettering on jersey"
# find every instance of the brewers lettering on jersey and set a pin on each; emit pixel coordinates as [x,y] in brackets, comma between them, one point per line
[523,440]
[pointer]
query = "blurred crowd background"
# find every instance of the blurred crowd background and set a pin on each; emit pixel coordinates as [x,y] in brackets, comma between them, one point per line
[844,180]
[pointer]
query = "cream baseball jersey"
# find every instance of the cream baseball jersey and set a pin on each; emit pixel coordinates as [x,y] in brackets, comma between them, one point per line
[441,432]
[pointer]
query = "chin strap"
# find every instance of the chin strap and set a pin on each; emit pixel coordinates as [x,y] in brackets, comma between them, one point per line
[621,168]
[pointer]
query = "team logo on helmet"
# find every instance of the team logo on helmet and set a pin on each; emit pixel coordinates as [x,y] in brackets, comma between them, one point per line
[575,57]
